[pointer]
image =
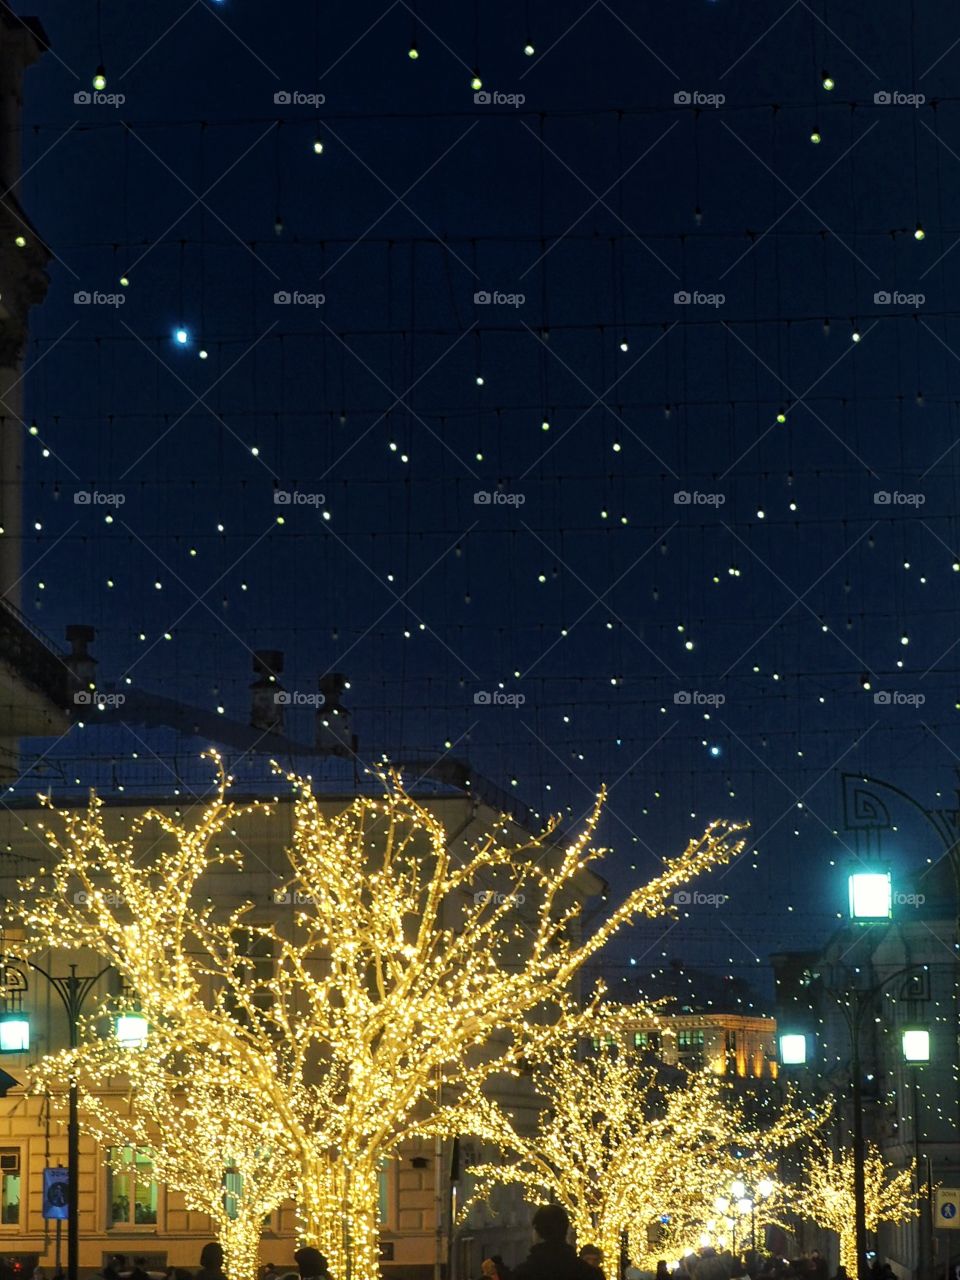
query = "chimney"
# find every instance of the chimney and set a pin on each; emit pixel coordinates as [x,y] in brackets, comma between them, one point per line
[82,666]
[334,735]
[267,698]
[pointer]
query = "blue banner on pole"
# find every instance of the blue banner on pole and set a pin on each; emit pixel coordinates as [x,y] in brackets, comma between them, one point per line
[55,1192]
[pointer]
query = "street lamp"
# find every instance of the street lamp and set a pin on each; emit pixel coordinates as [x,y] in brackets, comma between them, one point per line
[793,1049]
[14,1033]
[871,896]
[133,1030]
[15,1038]
[915,1042]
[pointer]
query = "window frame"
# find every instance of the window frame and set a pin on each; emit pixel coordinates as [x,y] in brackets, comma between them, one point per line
[126,1226]
[18,1224]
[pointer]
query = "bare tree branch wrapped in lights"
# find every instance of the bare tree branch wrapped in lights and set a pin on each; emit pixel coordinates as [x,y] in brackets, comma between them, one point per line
[215,1144]
[408,973]
[827,1196]
[622,1145]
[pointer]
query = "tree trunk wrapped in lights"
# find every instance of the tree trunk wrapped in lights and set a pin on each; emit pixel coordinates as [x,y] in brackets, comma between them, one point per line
[409,973]
[621,1144]
[214,1144]
[828,1198]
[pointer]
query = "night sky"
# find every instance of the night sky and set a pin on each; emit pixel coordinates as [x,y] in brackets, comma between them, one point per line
[638,153]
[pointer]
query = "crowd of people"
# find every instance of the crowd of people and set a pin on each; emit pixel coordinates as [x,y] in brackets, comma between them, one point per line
[553,1258]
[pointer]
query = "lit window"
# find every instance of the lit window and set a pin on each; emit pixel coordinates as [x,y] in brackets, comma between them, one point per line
[10,1186]
[690,1039]
[131,1189]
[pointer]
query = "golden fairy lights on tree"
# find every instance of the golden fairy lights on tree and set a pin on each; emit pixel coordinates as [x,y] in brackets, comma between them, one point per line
[411,968]
[622,1144]
[827,1196]
[208,1140]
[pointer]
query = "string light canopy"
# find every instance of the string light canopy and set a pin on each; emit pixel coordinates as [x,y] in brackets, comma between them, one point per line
[396,959]
[827,1196]
[208,1139]
[638,1158]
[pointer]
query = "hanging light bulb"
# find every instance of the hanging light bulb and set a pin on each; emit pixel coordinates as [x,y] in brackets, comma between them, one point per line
[919,234]
[476,82]
[413,53]
[528,49]
[125,282]
[100,78]
[828,82]
[181,337]
[318,146]
[816,137]
[856,335]
[781,417]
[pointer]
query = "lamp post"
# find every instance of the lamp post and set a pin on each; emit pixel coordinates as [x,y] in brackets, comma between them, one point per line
[915,1042]
[854,1002]
[15,1038]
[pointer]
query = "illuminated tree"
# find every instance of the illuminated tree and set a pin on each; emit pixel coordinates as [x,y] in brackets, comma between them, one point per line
[408,971]
[208,1140]
[827,1196]
[621,1145]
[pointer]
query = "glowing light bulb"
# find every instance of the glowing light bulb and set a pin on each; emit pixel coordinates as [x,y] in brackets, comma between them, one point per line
[100,78]
[624,346]
[203,354]
[816,137]
[20,242]
[413,53]
[781,418]
[125,282]
[318,146]
[828,82]
[855,336]
[529,50]
[919,234]
[476,82]
[182,337]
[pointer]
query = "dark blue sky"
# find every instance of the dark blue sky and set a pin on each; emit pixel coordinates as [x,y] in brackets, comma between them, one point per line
[598,198]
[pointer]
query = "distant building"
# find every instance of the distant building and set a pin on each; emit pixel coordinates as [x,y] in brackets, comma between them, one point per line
[725,1043]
